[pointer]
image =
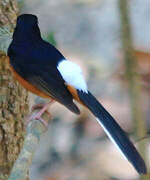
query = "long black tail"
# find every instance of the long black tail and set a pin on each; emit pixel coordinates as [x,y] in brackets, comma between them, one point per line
[114,131]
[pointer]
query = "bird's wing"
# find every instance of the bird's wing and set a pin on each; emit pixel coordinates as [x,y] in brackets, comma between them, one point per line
[48,80]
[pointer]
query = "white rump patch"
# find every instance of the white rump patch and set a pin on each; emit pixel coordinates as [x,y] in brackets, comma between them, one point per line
[72,74]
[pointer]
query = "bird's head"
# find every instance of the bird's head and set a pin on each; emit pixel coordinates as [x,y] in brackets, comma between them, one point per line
[27,20]
[26,27]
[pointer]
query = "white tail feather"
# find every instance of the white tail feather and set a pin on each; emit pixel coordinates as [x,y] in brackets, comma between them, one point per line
[111,138]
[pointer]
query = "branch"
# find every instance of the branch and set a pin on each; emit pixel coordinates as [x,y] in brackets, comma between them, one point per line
[34,131]
[131,68]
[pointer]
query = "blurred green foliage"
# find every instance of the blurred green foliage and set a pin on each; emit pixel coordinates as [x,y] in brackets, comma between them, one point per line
[20,4]
[51,39]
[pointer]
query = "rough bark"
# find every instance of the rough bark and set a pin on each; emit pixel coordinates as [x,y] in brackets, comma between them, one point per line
[13,101]
[8,12]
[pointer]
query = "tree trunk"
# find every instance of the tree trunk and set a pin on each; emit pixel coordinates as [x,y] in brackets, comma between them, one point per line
[13,101]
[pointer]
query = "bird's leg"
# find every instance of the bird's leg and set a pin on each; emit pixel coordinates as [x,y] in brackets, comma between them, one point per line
[44,108]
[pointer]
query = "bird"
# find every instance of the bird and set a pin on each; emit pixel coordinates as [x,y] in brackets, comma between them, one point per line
[42,69]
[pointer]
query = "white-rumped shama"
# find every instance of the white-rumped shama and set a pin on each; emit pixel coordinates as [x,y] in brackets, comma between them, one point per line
[44,71]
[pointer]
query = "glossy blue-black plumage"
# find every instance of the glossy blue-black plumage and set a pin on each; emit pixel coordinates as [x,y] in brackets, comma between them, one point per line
[35,60]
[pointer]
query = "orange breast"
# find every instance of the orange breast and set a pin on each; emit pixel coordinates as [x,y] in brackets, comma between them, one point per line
[27,85]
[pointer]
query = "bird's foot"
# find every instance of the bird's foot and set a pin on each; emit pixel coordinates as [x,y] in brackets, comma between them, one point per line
[44,108]
[37,117]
